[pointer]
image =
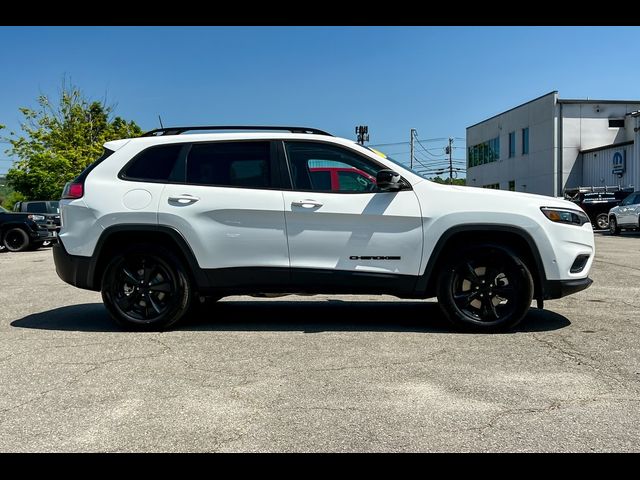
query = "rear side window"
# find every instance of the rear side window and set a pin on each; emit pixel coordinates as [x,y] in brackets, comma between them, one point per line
[155,164]
[230,164]
[37,207]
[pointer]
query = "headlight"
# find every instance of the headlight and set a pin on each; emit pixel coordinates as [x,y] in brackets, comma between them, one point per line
[561,215]
[36,218]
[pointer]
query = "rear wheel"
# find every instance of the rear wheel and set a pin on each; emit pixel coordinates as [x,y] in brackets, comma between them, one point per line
[485,288]
[146,288]
[602,221]
[16,240]
[613,226]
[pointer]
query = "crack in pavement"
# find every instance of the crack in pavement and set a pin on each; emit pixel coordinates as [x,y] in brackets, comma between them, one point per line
[579,358]
[96,366]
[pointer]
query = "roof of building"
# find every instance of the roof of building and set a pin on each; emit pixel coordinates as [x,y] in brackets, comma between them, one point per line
[604,147]
[565,101]
[554,92]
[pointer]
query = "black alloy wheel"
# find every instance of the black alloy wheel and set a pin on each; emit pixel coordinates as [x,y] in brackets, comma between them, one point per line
[16,240]
[146,290]
[485,288]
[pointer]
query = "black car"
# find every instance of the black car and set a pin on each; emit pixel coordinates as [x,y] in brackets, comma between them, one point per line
[47,208]
[597,201]
[22,231]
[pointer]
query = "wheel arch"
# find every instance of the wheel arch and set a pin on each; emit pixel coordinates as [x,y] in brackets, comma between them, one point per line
[116,237]
[514,238]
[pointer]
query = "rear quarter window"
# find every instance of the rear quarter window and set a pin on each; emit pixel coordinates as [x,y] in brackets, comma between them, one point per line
[154,164]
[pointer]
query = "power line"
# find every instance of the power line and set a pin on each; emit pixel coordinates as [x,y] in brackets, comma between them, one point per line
[388,144]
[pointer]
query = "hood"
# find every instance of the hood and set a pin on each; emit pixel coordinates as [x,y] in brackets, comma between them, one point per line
[498,200]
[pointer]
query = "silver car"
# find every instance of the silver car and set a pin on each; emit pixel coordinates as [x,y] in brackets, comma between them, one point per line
[626,215]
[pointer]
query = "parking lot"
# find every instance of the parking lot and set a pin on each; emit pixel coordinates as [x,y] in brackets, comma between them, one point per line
[320,373]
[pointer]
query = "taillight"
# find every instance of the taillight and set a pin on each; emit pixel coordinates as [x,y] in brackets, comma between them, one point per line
[73,190]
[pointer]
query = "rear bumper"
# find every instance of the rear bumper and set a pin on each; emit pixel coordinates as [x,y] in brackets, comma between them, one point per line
[562,288]
[75,270]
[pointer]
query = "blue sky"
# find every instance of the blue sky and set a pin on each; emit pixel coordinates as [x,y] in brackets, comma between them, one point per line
[438,80]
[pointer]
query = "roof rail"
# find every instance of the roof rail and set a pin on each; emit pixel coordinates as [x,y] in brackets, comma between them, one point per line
[179,130]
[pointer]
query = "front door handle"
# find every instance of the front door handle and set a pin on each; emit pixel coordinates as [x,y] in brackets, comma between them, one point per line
[184,199]
[306,204]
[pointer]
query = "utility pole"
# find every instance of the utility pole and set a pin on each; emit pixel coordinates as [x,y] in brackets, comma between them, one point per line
[413,133]
[362,131]
[450,152]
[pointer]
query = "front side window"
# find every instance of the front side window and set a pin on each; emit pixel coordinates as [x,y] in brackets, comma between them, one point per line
[633,199]
[230,164]
[327,168]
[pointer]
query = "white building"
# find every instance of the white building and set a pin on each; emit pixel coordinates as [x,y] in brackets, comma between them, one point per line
[549,144]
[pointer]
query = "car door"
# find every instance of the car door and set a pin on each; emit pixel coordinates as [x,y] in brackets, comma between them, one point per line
[633,211]
[350,227]
[625,213]
[228,205]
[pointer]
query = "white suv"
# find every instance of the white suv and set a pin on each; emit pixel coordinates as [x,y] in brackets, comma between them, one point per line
[162,221]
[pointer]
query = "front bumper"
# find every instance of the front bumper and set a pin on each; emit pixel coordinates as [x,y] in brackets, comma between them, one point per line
[73,269]
[562,288]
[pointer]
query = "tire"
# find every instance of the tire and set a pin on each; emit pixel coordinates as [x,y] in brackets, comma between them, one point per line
[485,288]
[146,288]
[16,240]
[614,229]
[602,221]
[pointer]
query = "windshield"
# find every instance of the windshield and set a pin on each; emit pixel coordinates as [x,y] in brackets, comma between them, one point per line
[2,209]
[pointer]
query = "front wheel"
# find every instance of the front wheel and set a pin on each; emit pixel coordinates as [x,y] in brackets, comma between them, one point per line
[485,288]
[613,226]
[602,221]
[146,288]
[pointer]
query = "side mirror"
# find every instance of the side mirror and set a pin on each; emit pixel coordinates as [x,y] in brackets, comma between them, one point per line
[388,180]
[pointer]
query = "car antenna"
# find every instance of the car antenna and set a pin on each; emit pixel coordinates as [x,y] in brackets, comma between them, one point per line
[160,120]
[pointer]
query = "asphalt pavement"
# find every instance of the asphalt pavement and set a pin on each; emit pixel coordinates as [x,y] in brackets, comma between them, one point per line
[320,374]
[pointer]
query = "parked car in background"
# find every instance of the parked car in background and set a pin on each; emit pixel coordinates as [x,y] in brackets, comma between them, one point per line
[597,201]
[626,215]
[345,179]
[22,231]
[50,209]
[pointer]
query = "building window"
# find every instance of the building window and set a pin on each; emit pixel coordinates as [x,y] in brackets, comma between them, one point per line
[485,152]
[616,123]
[494,186]
[512,185]
[525,141]
[512,144]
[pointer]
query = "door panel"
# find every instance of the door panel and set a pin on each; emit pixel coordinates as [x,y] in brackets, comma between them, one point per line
[228,227]
[369,232]
[226,209]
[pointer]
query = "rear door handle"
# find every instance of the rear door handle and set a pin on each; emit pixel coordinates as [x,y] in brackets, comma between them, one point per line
[306,204]
[184,199]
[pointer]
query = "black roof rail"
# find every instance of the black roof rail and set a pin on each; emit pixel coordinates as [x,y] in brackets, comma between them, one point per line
[179,130]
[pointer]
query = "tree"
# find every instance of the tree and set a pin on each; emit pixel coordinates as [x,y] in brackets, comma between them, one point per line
[456,181]
[59,140]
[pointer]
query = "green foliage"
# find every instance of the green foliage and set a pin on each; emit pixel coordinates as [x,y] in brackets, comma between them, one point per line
[10,200]
[456,181]
[59,139]
[5,189]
